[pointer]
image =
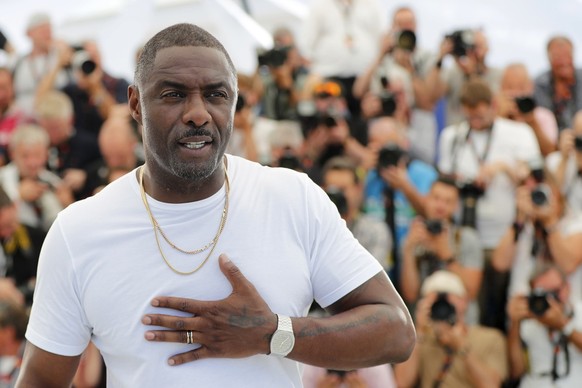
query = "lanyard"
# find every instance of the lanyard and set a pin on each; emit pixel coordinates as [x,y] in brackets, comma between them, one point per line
[480,158]
[445,368]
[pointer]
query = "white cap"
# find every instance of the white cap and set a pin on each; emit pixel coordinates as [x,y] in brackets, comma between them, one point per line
[443,281]
[37,19]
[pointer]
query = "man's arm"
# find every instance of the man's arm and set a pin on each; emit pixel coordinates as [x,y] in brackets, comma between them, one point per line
[46,370]
[369,326]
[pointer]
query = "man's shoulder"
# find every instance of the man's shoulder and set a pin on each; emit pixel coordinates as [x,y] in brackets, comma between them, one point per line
[419,167]
[485,335]
[544,79]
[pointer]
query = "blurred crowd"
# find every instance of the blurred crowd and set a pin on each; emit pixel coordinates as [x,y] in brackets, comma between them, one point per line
[461,179]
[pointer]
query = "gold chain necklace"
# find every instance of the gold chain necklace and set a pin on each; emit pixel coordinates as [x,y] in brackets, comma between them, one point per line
[158,229]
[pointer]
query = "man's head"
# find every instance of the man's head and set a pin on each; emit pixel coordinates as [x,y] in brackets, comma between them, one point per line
[477,104]
[561,56]
[548,281]
[383,131]
[445,289]
[54,112]
[8,216]
[184,97]
[28,148]
[442,200]
[340,174]
[6,90]
[481,47]
[39,30]
[515,81]
[404,19]
[13,322]
[117,143]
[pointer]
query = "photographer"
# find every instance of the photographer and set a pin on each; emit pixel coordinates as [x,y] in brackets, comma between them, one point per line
[545,332]
[542,232]
[469,49]
[566,164]
[435,243]
[343,185]
[515,101]
[450,352]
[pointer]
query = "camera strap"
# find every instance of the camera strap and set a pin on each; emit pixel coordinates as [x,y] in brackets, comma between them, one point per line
[458,142]
[445,367]
[560,343]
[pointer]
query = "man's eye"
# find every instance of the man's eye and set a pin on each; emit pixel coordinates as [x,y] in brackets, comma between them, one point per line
[172,95]
[217,94]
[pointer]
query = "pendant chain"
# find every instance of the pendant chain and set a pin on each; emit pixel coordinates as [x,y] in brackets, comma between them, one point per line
[158,229]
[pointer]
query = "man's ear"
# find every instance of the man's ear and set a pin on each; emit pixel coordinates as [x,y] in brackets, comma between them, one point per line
[134,105]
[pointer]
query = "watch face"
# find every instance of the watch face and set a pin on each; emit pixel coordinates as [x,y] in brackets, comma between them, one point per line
[282,342]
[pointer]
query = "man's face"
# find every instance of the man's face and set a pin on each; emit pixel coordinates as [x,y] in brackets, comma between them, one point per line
[8,221]
[552,281]
[30,159]
[6,90]
[186,106]
[479,117]
[561,60]
[41,35]
[59,129]
[344,181]
[404,20]
[442,201]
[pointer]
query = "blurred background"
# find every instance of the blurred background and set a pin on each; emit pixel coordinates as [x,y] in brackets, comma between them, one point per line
[517,29]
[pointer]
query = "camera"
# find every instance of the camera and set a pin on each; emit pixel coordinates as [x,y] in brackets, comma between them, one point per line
[443,311]
[290,160]
[434,227]
[3,41]
[469,192]
[339,199]
[537,301]
[463,41]
[540,195]
[406,40]
[275,57]
[525,104]
[578,143]
[390,155]
[82,61]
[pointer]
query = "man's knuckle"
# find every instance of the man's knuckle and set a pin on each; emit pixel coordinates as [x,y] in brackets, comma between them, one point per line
[179,324]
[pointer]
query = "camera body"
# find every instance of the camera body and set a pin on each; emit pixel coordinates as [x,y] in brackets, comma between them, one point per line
[405,40]
[338,197]
[434,227]
[537,301]
[463,41]
[525,104]
[442,310]
[275,57]
[82,61]
[390,155]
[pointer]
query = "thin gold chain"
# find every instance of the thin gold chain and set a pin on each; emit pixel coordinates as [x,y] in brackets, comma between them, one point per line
[157,228]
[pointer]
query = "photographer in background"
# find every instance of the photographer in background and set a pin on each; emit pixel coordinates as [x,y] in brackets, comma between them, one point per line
[515,101]
[483,152]
[450,352]
[395,188]
[242,142]
[545,332]
[343,185]
[566,164]
[434,242]
[469,49]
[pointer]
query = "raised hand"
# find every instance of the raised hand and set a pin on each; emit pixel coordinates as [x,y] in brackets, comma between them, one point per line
[238,326]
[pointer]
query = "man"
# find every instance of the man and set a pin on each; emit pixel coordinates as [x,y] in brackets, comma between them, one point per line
[515,101]
[559,89]
[566,164]
[450,352]
[469,50]
[188,194]
[71,152]
[545,332]
[13,320]
[436,243]
[342,183]
[482,153]
[10,115]
[39,193]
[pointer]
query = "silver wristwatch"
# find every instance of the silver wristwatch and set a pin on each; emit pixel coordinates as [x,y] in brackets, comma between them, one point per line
[283,339]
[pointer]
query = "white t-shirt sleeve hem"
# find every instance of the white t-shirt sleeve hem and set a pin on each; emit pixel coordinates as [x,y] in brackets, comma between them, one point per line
[354,282]
[51,346]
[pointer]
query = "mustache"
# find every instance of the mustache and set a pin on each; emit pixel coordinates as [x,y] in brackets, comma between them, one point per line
[201,131]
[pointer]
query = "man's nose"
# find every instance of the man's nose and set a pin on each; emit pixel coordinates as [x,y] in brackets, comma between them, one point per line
[195,111]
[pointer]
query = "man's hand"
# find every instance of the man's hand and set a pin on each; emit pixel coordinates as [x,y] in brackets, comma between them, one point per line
[395,176]
[239,326]
[554,317]
[31,190]
[518,309]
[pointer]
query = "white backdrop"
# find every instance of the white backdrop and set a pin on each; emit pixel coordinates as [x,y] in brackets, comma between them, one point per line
[517,29]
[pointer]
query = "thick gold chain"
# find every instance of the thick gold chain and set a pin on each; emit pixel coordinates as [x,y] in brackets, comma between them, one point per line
[158,229]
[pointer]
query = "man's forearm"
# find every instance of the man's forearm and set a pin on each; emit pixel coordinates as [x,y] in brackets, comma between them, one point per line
[414,197]
[361,337]
[517,365]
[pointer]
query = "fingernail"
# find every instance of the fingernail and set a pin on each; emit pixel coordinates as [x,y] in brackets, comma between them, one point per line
[155,302]
[225,258]
[149,335]
[146,320]
[171,361]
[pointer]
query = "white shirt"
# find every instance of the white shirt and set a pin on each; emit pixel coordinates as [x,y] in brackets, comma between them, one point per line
[572,185]
[510,142]
[100,268]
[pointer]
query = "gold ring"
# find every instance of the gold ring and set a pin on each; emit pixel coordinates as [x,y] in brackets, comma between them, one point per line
[189,337]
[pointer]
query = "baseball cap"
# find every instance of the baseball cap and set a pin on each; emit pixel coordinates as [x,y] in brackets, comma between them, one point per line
[443,281]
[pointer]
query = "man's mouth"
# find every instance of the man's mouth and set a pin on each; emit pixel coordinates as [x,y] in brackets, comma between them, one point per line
[195,142]
[194,145]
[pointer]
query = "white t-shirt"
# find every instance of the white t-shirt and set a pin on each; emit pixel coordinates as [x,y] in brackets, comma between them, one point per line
[509,142]
[100,268]
[540,352]
[572,185]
